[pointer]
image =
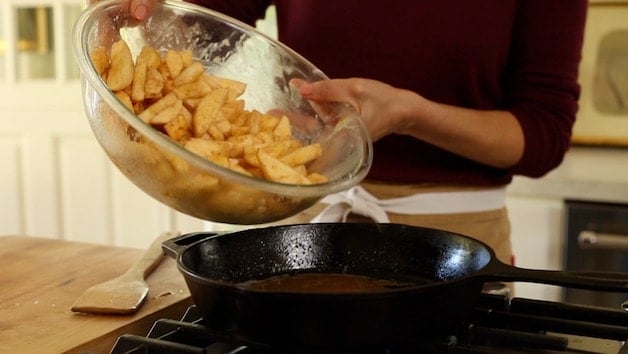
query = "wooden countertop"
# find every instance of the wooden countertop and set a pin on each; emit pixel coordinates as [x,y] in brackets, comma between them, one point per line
[40,278]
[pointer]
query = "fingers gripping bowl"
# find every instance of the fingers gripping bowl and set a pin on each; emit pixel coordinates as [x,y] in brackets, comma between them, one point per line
[183,180]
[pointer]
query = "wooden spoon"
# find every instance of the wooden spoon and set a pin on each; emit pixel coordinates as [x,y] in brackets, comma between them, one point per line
[126,293]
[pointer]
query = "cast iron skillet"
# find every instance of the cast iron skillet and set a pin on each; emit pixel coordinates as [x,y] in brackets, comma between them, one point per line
[448,271]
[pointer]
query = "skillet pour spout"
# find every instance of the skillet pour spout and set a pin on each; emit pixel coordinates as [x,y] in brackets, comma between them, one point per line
[447,272]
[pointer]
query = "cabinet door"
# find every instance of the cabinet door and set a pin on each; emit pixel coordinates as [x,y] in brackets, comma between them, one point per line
[56,180]
[537,241]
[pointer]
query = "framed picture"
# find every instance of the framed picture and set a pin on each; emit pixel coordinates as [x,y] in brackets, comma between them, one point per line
[603,115]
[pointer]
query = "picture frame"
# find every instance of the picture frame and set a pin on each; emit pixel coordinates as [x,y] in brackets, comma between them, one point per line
[602,118]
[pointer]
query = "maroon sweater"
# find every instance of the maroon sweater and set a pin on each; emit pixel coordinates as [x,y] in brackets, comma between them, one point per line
[521,56]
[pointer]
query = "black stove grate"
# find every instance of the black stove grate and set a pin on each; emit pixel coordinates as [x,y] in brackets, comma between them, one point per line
[499,325]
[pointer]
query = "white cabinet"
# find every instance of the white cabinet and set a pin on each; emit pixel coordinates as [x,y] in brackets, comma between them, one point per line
[537,211]
[55,180]
[537,237]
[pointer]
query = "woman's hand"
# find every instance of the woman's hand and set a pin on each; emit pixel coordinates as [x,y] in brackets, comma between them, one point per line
[491,137]
[140,9]
[373,100]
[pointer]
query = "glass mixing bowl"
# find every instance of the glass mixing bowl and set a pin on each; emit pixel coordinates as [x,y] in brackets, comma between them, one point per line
[228,48]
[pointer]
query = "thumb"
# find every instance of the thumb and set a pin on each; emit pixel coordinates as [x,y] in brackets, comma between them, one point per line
[304,87]
[141,9]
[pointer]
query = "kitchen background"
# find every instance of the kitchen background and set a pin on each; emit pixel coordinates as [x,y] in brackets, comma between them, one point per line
[55,181]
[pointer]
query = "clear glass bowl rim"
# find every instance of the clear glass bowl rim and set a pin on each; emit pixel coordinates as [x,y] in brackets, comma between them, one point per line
[81,51]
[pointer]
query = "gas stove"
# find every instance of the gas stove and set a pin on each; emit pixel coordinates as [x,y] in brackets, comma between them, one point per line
[499,325]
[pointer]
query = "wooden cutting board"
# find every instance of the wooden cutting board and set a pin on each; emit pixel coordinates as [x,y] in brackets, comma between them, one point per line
[40,278]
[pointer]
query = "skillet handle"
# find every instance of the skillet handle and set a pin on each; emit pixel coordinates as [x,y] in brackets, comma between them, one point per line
[175,246]
[600,281]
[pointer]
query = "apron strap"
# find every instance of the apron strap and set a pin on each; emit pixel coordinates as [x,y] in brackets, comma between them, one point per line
[357,200]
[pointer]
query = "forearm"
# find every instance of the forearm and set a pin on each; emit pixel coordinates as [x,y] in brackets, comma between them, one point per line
[494,138]
[491,137]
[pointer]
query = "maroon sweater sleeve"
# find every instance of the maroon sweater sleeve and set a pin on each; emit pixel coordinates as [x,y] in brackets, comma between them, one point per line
[247,11]
[542,85]
[515,55]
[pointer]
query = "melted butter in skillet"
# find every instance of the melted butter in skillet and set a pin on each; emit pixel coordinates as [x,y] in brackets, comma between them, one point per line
[327,283]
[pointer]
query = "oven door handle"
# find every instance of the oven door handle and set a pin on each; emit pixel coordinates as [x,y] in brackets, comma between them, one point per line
[596,240]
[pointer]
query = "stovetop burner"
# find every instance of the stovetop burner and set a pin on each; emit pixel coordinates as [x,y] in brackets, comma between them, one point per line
[499,325]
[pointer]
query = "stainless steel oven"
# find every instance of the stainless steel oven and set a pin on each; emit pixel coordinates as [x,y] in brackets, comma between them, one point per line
[596,240]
